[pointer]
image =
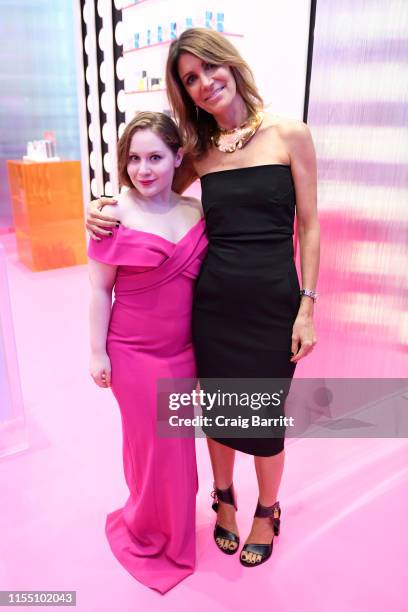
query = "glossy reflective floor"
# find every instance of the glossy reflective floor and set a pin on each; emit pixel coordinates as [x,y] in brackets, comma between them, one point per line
[344,502]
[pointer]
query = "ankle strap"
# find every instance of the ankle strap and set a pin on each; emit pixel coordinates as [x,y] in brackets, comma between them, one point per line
[267,511]
[226,495]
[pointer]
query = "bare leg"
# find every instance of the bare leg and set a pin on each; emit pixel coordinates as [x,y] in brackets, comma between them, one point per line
[222,461]
[269,473]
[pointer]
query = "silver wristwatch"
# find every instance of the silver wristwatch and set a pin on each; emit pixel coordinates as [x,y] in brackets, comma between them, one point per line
[309,293]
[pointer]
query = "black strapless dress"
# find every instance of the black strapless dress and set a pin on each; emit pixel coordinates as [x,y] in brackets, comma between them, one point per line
[247,293]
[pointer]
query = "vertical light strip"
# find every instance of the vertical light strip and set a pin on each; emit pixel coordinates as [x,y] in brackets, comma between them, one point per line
[110,131]
[82,94]
[100,40]
[92,77]
[117,26]
[101,82]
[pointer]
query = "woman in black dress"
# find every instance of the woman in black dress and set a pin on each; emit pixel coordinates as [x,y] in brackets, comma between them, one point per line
[250,319]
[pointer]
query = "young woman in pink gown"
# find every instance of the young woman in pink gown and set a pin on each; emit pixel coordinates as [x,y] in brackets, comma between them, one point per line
[151,262]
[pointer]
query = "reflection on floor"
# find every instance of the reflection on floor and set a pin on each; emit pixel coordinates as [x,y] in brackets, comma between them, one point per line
[344,502]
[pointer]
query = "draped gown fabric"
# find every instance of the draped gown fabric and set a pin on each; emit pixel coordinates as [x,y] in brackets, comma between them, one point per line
[247,293]
[149,337]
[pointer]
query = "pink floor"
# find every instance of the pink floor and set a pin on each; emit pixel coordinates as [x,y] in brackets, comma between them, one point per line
[344,538]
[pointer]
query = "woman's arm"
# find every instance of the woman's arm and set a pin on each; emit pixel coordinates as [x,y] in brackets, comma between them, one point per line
[102,278]
[97,222]
[303,166]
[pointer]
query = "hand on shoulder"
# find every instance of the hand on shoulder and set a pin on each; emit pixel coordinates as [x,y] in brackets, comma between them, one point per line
[101,217]
[116,210]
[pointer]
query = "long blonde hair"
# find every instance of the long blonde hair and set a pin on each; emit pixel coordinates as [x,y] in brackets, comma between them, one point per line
[196,124]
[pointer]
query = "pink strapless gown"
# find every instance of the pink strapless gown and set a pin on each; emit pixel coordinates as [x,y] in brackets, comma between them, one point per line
[153,535]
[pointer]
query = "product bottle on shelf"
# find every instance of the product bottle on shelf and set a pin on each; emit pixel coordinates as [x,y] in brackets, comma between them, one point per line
[208,19]
[156,83]
[143,81]
[220,22]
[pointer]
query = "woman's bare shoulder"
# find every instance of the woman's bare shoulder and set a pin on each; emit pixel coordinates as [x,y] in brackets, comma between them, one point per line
[119,209]
[194,204]
[292,133]
[285,125]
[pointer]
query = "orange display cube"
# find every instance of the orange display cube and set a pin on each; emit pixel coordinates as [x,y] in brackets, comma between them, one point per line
[48,213]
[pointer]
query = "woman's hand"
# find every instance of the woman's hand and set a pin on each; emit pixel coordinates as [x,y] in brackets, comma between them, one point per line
[97,222]
[303,334]
[100,369]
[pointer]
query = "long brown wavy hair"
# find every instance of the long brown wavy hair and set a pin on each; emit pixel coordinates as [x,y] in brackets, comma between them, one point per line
[196,124]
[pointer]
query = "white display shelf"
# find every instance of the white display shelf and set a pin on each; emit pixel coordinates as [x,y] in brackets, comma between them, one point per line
[168,42]
[129,6]
[144,91]
[158,44]
[152,29]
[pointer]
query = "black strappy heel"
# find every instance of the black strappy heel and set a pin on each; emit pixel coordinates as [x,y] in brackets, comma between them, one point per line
[262,552]
[231,539]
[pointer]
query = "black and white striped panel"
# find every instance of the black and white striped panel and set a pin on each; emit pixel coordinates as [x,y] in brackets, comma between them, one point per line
[102,57]
[119,78]
[101,48]
[85,85]
[89,40]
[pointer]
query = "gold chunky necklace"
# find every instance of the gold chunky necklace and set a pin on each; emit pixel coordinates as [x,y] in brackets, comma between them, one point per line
[228,141]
